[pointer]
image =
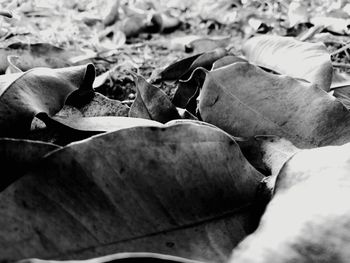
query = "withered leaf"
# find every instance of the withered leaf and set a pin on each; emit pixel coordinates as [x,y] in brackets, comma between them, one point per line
[23,95]
[245,101]
[285,55]
[136,257]
[311,190]
[184,190]
[36,55]
[18,156]
[152,103]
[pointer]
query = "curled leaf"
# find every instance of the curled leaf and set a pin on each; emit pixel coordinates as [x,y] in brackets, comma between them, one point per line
[102,124]
[227,60]
[311,194]
[177,69]
[36,55]
[152,103]
[137,257]
[23,95]
[245,101]
[205,60]
[285,55]
[187,89]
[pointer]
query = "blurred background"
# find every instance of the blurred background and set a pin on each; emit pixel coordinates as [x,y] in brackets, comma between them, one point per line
[145,36]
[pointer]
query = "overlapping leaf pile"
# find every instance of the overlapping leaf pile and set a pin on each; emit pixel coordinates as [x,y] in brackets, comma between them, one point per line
[85,176]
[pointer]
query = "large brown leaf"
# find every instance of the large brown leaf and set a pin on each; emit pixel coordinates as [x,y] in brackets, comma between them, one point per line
[285,55]
[184,190]
[17,156]
[245,101]
[23,95]
[308,218]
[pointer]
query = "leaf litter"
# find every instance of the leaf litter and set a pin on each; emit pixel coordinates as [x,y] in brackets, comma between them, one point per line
[83,178]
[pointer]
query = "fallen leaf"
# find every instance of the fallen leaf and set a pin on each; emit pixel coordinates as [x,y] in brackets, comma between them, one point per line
[175,70]
[208,44]
[267,152]
[311,194]
[23,95]
[94,105]
[133,25]
[64,130]
[297,59]
[185,114]
[333,24]
[187,89]
[184,190]
[205,60]
[227,60]
[18,156]
[245,101]
[152,103]
[122,257]
[223,12]
[179,43]
[165,23]
[12,68]
[36,55]
[100,124]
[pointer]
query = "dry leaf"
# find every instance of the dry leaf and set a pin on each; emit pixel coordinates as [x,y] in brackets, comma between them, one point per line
[285,55]
[18,156]
[333,24]
[308,217]
[152,103]
[208,44]
[23,95]
[140,257]
[93,105]
[188,89]
[183,190]
[165,23]
[101,124]
[36,55]
[205,60]
[175,70]
[227,60]
[245,101]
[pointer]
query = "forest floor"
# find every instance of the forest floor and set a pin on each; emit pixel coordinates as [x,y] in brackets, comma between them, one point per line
[122,36]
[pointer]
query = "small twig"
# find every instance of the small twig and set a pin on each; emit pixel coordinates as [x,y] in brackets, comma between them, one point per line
[347,46]
[341,65]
